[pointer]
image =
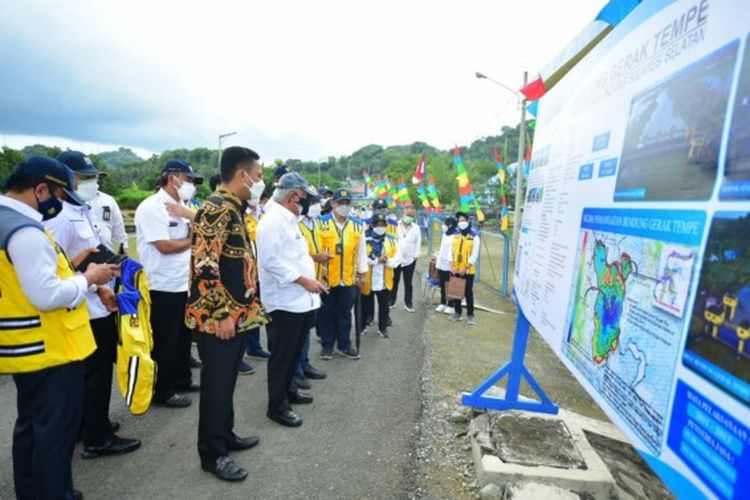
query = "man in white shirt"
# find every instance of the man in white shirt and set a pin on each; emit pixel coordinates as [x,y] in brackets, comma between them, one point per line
[289,292]
[73,230]
[108,221]
[48,373]
[409,246]
[163,241]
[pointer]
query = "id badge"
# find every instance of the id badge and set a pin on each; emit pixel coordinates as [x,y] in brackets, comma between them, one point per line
[339,249]
[460,259]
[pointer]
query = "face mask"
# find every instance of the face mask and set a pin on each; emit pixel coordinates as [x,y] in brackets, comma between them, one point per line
[313,211]
[445,228]
[463,225]
[49,208]
[87,189]
[344,210]
[380,231]
[257,190]
[408,219]
[305,204]
[186,191]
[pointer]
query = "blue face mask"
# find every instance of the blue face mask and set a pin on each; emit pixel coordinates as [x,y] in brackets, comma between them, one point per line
[49,208]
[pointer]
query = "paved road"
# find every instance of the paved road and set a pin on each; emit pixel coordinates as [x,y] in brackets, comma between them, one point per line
[356,442]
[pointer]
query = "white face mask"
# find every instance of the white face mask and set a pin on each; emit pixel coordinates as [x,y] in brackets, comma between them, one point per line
[408,219]
[314,210]
[380,231]
[445,228]
[87,189]
[344,210]
[186,191]
[257,190]
[463,225]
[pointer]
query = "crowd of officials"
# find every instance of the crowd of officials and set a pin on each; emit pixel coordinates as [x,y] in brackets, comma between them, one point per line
[289,258]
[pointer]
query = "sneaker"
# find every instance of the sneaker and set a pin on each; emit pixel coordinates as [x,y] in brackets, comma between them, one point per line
[409,308]
[470,320]
[350,353]
[262,354]
[456,317]
[383,333]
[393,305]
[326,353]
[246,369]
[449,310]
[440,308]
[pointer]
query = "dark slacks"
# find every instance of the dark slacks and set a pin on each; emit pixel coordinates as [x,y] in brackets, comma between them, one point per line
[253,341]
[384,302]
[469,296]
[368,308]
[171,343]
[335,316]
[98,385]
[50,406]
[285,339]
[303,358]
[444,277]
[408,272]
[220,359]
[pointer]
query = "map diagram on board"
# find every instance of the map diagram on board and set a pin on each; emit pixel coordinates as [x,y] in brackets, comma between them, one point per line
[627,313]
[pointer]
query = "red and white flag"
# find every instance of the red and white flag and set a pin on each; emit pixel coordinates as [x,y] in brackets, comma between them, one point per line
[419,172]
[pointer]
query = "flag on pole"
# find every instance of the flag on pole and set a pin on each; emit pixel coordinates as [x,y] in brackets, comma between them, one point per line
[502,178]
[434,199]
[466,198]
[422,194]
[403,194]
[418,176]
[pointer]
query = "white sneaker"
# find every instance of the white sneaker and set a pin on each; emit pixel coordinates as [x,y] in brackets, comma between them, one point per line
[448,310]
[410,309]
[440,308]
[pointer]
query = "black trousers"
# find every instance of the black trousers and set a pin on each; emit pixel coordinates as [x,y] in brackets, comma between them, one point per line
[221,360]
[383,297]
[444,277]
[469,296]
[368,308]
[98,385]
[335,316]
[408,272]
[171,343]
[285,340]
[50,406]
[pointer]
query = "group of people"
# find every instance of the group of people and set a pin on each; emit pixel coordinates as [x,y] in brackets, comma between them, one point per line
[290,258]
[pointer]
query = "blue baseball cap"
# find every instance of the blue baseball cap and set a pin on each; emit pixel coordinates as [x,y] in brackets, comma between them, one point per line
[78,162]
[52,171]
[322,190]
[342,194]
[280,171]
[293,180]
[182,167]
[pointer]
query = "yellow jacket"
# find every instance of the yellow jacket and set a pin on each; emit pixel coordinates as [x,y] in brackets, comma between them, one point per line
[344,246]
[314,245]
[465,251]
[30,339]
[390,250]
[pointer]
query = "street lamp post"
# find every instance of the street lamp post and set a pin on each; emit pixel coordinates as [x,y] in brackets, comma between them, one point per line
[221,138]
[518,205]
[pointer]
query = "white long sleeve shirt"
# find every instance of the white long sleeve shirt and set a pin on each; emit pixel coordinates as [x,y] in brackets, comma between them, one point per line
[378,270]
[409,242]
[74,232]
[283,256]
[445,254]
[108,221]
[35,263]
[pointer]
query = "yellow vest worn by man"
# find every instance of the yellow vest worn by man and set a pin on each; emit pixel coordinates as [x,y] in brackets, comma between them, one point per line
[30,339]
[312,237]
[343,245]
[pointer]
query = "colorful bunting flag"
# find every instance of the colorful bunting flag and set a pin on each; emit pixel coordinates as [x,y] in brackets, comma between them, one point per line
[422,194]
[402,195]
[434,199]
[503,179]
[466,198]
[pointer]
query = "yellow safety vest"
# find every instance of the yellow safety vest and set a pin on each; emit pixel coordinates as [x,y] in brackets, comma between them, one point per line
[30,339]
[462,248]
[312,236]
[342,245]
[389,250]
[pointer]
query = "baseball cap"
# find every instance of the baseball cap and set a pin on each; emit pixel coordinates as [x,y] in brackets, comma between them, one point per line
[182,167]
[78,162]
[293,180]
[379,204]
[378,217]
[49,170]
[342,194]
[280,171]
[322,190]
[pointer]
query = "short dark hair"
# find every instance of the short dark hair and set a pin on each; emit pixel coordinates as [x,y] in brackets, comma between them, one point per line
[214,181]
[232,158]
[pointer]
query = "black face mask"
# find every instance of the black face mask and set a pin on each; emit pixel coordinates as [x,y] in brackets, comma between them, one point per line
[50,208]
[305,204]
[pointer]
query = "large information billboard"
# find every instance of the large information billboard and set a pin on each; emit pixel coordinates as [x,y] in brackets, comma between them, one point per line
[634,257]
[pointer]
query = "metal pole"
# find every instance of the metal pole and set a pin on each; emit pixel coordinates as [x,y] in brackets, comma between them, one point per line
[518,205]
[318,174]
[219,158]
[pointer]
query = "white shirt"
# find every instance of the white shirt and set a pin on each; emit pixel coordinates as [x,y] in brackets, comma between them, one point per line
[37,270]
[74,232]
[108,221]
[165,272]
[378,270]
[409,242]
[283,256]
[445,254]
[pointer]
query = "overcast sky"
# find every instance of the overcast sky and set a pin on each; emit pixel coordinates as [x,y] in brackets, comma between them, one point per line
[294,78]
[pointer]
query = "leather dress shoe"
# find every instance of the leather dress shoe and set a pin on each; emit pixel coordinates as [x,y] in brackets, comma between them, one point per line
[174,401]
[301,383]
[114,426]
[286,418]
[113,445]
[300,398]
[193,387]
[225,469]
[314,374]
[245,443]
